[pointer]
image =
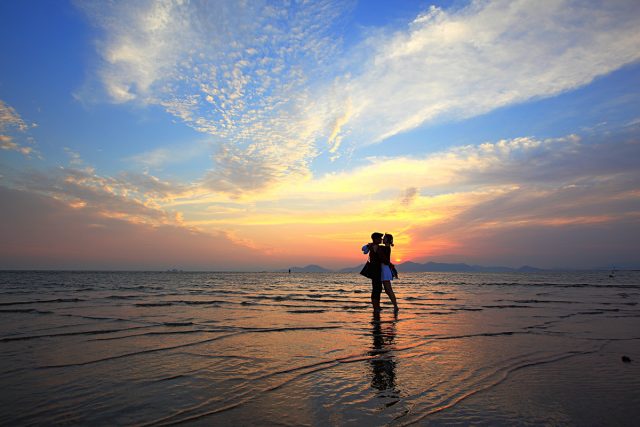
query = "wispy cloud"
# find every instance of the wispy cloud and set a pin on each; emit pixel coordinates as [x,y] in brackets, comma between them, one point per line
[274,86]
[11,124]
[75,159]
[158,158]
[450,65]
[142,44]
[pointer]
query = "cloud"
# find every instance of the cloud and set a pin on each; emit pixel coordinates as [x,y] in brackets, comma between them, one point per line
[451,65]
[42,232]
[7,143]
[408,196]
[142,43]
[589,228]
[562,202]
[176,154]
[519,161]
[276,88]
[11,122]
[456,203]
[132,197]
[447,183]
[551,242]
[75,159]
[461,204]
[9,118]
[237,70]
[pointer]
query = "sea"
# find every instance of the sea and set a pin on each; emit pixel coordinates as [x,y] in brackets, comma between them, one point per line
[255,349]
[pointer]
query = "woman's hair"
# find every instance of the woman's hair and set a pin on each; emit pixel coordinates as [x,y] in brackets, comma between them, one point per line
[388,238]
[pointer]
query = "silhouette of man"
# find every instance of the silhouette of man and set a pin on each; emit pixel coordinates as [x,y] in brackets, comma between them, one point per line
[374,258]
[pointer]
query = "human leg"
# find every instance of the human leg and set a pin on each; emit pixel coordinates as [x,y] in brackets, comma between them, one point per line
[376,290]
[389,291]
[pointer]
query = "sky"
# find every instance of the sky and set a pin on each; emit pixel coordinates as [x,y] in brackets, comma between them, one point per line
[259,135]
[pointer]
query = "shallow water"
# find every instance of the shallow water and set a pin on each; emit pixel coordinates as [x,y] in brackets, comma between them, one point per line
[305,349]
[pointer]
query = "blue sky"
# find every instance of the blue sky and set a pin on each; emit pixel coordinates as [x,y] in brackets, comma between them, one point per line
[267,127]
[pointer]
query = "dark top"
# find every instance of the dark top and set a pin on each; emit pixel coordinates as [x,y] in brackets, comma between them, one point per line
[384,254]
[374,256]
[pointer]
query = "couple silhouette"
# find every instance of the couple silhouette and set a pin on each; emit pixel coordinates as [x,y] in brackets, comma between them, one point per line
[379,251]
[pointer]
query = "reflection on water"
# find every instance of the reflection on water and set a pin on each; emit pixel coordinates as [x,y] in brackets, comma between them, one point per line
[383,363]
[262,349]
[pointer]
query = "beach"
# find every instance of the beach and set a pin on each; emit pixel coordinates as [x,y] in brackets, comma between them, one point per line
[164,348]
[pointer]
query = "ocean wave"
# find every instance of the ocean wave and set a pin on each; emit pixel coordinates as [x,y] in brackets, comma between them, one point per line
[154,304]
[506,306]
[26,310]
[48,301]
[65,334]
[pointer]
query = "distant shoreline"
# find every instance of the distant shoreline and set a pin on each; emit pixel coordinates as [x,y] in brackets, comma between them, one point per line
[300,270]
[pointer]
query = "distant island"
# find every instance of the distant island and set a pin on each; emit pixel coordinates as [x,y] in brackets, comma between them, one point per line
[414,267]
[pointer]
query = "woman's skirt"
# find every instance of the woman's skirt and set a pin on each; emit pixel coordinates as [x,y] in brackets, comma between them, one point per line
[386,273]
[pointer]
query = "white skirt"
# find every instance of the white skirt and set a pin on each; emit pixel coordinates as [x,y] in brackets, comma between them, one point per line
[386,273]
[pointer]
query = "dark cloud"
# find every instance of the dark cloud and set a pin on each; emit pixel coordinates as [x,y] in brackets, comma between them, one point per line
[566,161]
[596,245]
[408,196]
[577,226]
[609,199]
[565,202]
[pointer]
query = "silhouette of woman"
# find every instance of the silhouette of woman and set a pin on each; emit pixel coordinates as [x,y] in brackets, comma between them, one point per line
[387,268]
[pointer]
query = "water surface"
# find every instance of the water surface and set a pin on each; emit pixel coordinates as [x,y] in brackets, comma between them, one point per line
[106,348]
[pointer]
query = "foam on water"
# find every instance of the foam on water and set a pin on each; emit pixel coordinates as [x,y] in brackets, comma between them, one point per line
[253,349]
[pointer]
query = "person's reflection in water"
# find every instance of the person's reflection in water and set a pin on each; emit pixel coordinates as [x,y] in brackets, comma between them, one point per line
[383,364]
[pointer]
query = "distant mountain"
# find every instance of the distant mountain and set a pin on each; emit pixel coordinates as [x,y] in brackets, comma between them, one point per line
[529,269]
[619,267]
[355,269]
[447,267]
[311,268]
[414,267]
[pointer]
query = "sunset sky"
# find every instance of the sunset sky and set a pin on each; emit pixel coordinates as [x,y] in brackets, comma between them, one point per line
[250,135]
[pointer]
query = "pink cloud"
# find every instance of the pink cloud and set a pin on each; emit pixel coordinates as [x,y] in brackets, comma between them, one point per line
[41,232]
